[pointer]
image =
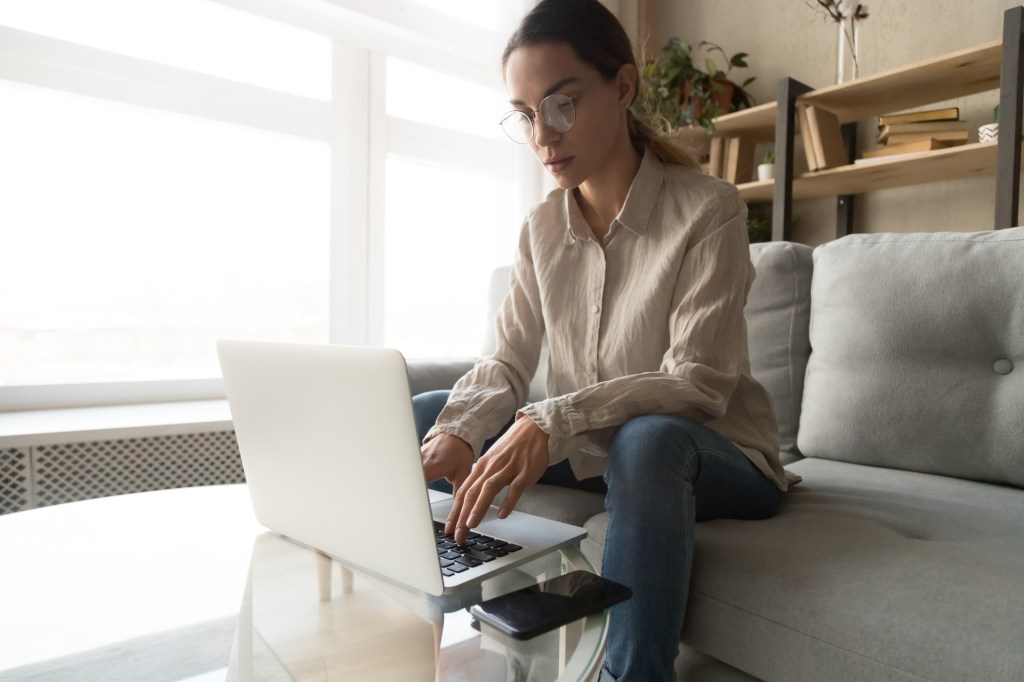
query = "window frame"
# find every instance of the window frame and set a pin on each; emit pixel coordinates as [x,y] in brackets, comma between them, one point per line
[363,34]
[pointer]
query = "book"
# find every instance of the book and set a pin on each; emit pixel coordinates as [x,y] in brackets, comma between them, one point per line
[930,127]
[826,136]
[889,157]
[804,127]
[945,136]
[715,158]
[739,159]
[944,114]
[907,148]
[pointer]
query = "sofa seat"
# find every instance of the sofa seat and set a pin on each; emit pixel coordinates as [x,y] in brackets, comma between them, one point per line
[867,573]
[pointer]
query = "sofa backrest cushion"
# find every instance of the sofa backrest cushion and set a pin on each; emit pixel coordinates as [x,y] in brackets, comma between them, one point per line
[917,357]
[777,312]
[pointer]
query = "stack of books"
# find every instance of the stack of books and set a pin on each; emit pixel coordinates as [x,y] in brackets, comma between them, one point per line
[918,131]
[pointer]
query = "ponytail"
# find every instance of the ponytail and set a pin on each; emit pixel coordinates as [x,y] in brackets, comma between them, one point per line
[644,136]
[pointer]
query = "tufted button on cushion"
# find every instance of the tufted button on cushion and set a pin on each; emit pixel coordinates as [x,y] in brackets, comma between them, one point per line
[1002,366]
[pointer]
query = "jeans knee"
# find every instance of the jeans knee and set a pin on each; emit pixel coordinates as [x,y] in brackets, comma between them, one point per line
[652,446]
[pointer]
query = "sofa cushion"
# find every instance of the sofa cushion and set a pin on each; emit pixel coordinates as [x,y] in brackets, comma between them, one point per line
[866,573]
[917,356]
[567,505]
[778,312]
[435,373]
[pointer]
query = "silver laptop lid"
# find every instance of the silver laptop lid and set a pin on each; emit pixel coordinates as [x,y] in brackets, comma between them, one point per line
[329,460]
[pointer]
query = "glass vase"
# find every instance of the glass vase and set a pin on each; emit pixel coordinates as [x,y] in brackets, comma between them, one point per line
[848,50]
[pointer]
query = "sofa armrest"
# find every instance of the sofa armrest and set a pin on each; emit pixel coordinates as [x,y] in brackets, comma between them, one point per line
[431,374]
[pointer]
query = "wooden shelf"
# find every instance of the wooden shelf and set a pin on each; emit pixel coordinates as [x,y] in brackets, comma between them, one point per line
[966,161]
[966,72]
[757,191]
[757,123]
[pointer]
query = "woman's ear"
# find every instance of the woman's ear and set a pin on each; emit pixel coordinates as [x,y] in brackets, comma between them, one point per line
[626,82]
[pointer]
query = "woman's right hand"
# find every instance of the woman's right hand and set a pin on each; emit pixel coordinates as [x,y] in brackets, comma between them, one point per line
[449,457]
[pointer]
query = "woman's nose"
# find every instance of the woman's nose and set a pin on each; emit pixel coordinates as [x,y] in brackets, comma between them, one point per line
[543,134]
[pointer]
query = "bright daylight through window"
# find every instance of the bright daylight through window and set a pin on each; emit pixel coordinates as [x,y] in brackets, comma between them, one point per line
[186,173]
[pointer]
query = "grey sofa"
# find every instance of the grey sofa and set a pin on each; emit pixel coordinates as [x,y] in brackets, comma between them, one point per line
[897,372]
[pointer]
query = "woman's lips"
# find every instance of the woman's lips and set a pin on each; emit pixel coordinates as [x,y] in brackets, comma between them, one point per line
[558,165]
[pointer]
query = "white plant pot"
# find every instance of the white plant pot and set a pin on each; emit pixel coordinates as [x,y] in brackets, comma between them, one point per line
[988,132]
[765,171]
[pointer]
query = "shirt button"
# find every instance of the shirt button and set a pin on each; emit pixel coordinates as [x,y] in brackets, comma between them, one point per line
[564,428]
[596,309]
[590,367]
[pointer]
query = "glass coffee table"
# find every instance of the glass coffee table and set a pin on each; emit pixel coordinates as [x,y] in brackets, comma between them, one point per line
[185,585]
[305,617]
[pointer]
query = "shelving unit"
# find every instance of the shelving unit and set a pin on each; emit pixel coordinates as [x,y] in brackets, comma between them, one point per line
[994,65]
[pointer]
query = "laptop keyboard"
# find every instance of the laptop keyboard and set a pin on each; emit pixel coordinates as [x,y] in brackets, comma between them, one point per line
[475,551]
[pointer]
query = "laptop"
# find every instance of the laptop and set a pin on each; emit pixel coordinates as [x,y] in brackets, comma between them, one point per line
[332,460]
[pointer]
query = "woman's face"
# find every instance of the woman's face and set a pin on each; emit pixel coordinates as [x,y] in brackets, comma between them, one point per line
[536,71]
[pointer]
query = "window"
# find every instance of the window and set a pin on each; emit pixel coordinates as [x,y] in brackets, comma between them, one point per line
[450,211]
[436,286]
[197,35]
[141,237]
[195,170]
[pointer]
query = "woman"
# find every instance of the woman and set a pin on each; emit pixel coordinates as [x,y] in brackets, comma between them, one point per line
[637,271]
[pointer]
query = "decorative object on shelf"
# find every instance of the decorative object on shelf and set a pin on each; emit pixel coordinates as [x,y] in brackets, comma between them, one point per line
[847,16]
[766,169]
[686,88]
[990,131]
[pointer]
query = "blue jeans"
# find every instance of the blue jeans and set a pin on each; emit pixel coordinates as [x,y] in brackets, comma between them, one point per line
[663,475]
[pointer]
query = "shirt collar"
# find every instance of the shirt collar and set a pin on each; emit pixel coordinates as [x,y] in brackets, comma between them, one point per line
[636,211]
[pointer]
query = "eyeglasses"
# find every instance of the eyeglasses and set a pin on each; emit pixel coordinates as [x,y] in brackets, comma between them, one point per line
[558,112]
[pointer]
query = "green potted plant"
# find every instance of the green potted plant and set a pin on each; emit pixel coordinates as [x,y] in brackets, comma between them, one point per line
[687,86]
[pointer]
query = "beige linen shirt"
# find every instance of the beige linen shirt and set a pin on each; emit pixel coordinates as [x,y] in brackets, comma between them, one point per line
[648,322]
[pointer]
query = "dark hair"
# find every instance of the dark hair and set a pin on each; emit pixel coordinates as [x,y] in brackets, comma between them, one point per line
[598,39]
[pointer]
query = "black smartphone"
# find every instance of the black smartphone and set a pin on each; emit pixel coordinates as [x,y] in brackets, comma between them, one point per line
[537,609]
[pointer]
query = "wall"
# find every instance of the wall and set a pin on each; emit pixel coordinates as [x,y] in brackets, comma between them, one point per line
[790,38]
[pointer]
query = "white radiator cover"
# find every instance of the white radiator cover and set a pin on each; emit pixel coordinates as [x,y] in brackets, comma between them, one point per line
[15,480]
[44,475]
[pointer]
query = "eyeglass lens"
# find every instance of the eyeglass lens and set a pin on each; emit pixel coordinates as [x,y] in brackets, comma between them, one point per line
[557,111]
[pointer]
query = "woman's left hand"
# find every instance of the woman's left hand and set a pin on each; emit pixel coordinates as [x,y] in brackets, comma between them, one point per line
[517,460]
